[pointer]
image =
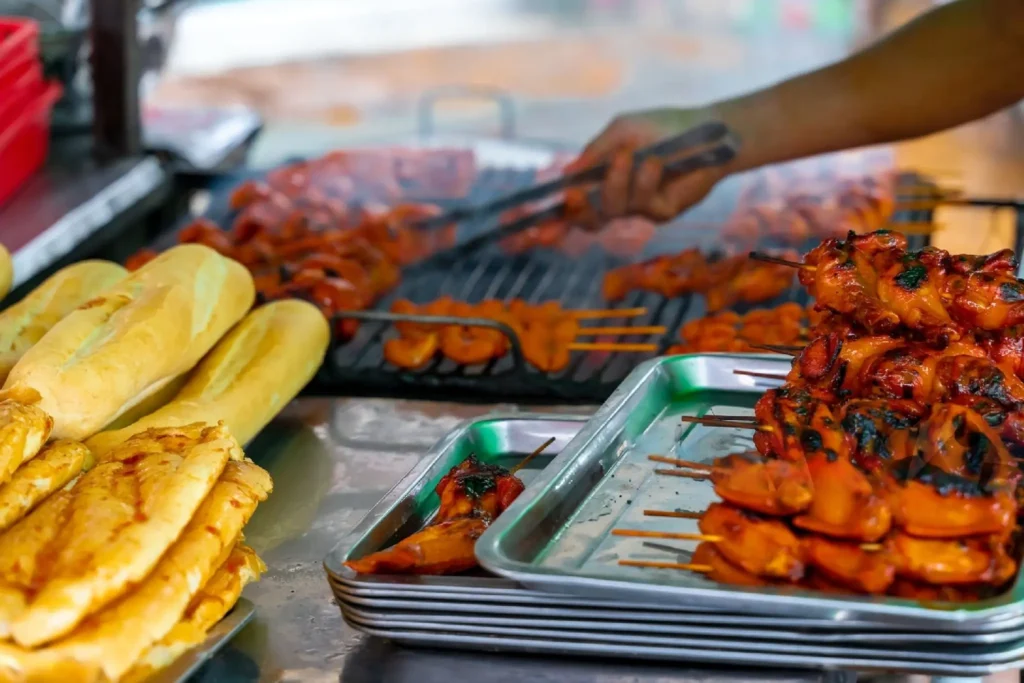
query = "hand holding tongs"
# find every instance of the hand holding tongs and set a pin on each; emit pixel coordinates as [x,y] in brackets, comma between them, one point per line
[717,146]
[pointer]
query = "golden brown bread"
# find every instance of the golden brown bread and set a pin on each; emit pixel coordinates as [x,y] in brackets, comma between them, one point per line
[136,337]
[248,377]
[121,517]
[6,271]
[56,465]
[23,431]
[214,601]
[25,323]
[118,635]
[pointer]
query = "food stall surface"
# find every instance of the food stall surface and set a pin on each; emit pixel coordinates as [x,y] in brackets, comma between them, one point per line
[332,460]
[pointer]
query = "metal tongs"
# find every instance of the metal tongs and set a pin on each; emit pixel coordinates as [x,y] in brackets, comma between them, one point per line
[715,145]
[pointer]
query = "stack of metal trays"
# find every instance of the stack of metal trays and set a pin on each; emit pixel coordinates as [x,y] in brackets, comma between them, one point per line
[563,593]
[556,543]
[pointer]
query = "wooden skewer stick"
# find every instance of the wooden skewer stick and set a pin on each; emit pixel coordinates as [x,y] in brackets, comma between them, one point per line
[766,375]
[680,463]
[914,228]
[738,418]
[602,346]
[653,329]
[686,474]
[678,514]
[767,258]
[587,314]
[779,348]
[699,568]
[686,514]
[672,535]
[712,422]
[540,449]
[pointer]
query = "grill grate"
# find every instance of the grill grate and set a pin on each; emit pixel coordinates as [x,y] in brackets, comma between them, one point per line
[357,367]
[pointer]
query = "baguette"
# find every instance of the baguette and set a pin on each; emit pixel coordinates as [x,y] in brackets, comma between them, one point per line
[6,272]
[25,323]
[125,345]
[248,377]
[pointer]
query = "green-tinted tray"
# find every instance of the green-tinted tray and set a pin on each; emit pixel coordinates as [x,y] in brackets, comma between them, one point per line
[557,536]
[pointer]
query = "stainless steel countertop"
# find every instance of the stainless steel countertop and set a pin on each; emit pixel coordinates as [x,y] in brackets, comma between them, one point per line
[331,460]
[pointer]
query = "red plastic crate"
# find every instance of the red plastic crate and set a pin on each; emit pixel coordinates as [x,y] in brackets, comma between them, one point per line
[19,50]
[25,139]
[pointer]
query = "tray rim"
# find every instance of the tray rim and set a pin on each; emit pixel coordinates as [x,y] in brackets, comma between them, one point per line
[596,648]
[866,638]
[333,563]
[491,557]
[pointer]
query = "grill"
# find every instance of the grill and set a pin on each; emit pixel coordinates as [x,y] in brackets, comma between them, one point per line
[358,366]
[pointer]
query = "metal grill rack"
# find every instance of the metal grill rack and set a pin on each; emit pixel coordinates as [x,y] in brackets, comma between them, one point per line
[357,366]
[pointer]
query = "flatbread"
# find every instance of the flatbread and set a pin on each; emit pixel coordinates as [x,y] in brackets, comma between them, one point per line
[56,465]
[214,601]
[118,635]
[121,518]
[23,431]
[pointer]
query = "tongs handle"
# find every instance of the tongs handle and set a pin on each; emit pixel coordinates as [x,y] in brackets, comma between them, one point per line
[721,153]
[703,134]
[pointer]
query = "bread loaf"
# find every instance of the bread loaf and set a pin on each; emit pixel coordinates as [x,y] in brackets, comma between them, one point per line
[6,271]
[126,344]
[25,323]
[248,377]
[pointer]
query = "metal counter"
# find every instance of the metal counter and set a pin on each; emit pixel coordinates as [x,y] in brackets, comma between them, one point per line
[331,460]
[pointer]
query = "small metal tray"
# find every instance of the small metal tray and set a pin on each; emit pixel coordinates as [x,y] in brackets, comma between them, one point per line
[1003,653]
[498,439]
[542,642]
[219,636]
[681,625]
[556,536]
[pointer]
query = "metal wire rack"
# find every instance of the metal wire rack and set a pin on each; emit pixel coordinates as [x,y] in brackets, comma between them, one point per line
[357,366]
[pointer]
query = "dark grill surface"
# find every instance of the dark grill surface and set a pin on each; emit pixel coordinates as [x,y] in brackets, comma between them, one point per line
[357,367]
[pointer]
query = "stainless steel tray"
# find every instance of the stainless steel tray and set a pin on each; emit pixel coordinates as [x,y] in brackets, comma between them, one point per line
[556,536]
[684,626]
[536,642]
[498,439]
[978,654]
[219,636]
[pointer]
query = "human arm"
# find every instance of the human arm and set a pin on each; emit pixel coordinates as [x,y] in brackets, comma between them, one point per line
[954,64]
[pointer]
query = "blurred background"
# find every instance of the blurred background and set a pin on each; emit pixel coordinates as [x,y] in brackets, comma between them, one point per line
[320,74]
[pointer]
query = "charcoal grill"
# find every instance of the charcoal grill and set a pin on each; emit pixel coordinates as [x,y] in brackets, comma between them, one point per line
[357,366]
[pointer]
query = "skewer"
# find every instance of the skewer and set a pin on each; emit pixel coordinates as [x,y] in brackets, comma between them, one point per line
[712,422]
[680,463]
[677,514]
[685,514]
[654,329]
[914,228]
[699,568]
[685,474]
[586,314]
[603,346]
[670,535]
[765,375]
[540,449]
[758,256]
[779,348]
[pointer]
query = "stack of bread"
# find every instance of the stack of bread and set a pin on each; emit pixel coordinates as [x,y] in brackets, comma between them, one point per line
[123,485]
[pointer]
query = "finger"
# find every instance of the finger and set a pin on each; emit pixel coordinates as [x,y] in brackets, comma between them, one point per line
[615,189]
[681,193]
[646,181]
[617,134]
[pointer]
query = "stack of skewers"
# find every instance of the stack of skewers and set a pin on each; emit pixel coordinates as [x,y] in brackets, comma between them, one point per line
[887,462]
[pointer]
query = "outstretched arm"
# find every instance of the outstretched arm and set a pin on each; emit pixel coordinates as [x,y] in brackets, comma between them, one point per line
[952,65]
[955,64]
